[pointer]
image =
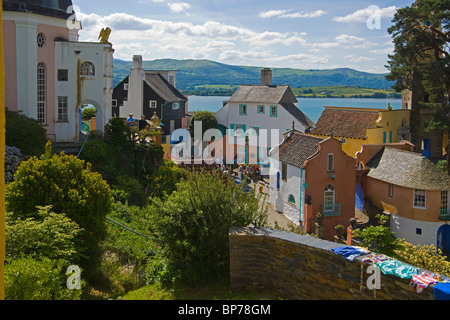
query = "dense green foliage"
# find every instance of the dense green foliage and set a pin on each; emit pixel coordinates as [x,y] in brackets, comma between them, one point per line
[208,120]
[70,187]
[124,160]
[193,224]
[194,73]
[44,279]
[24,133]
[378,238]
[49,235]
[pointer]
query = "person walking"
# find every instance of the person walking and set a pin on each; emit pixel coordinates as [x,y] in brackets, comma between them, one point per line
[142,123]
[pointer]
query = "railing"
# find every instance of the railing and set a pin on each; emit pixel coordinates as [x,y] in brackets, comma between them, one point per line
[445,214]
[331,210]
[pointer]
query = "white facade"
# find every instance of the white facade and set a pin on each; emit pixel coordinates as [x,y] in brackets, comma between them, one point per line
[81,89]
[292,188]
[408,230]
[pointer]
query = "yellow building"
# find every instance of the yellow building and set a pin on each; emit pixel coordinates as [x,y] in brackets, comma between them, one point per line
[2,160]
[357,126]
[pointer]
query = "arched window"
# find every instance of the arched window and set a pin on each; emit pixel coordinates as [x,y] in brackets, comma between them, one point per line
[329,198]
[360,166]
[41,92]
[291,199]
[87,69]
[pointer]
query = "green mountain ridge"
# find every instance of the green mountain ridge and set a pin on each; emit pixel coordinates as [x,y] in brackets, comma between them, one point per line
[201,73]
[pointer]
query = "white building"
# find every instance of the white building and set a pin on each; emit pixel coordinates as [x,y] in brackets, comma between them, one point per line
[262,112]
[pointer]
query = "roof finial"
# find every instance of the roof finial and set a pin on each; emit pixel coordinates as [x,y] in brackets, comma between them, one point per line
[331,132]
[293,125]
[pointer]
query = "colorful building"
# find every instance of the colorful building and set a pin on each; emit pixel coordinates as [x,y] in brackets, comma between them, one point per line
[357,126]
[262,112]
[49,74]
[311,175]
[411,189]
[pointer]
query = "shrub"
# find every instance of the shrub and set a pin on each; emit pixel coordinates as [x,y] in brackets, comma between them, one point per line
[163,181]
[70,187]
[30,279]
[194,221]
[51,236]
[426,257]
[24,133]
[378,238]
[12,162]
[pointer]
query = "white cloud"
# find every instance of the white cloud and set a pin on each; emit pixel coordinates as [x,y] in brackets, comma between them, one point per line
[288,14]
[364,14]
[355,59]
[179,6]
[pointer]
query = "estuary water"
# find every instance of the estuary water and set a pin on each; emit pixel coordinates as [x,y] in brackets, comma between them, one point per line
[311,107]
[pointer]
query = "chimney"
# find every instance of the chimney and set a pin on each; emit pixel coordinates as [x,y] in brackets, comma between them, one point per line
[266,77]
[137,62]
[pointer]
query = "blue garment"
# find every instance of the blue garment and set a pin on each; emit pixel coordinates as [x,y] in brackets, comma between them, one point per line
[442,291]
[397,268]
[350,253]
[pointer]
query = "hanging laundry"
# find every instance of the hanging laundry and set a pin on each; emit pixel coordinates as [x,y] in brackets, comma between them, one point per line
[397,268]
[423,280]
[442,291]
[350,253]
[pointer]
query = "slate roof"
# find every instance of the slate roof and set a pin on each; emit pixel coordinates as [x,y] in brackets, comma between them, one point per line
[298,114]
[56,9]
[163,88]
[407,169]
[297,149]
[346,123]
[263,94]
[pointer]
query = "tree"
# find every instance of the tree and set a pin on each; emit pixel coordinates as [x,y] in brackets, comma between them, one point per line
[24,133]
[208,120]
[421,35]
[194,221]
[70,187]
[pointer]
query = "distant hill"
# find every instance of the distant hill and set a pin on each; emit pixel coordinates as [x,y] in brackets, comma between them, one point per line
[205,74]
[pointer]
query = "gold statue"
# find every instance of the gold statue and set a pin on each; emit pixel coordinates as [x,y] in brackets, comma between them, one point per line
[104,35]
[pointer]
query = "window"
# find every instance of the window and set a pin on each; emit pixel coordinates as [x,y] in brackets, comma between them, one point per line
[172,80]
[343,141]
[384,137]
[261,109]
[255,131]
[62,109]
[153,104]
[420,199]
[390,136]
[329,197]
[330,163]
[172,126]
[418,231]
[63,75]
[391,190]
[114,102]
[175,106]
[291,199]
[360,166]
[87,69]
[125,86]
[445,203]
[40,39]
[242,109]
[284,172]
[274,111]
[41,92]
[239,130]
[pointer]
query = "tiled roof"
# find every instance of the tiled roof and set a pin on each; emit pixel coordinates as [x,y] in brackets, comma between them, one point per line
[263,94]
[345,123]
[407,169]
[297,149]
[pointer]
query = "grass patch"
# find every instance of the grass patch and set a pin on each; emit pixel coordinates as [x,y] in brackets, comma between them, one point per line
[212,291]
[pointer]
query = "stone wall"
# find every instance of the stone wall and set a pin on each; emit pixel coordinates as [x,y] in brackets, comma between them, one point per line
[304,268]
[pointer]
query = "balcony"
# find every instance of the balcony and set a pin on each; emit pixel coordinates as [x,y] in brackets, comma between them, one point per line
[445,215]
[331,210]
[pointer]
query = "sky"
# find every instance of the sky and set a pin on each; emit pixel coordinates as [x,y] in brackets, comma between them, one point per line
[320,34]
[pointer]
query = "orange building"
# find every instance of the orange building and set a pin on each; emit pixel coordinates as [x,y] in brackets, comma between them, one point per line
[411,189]
[310,175]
